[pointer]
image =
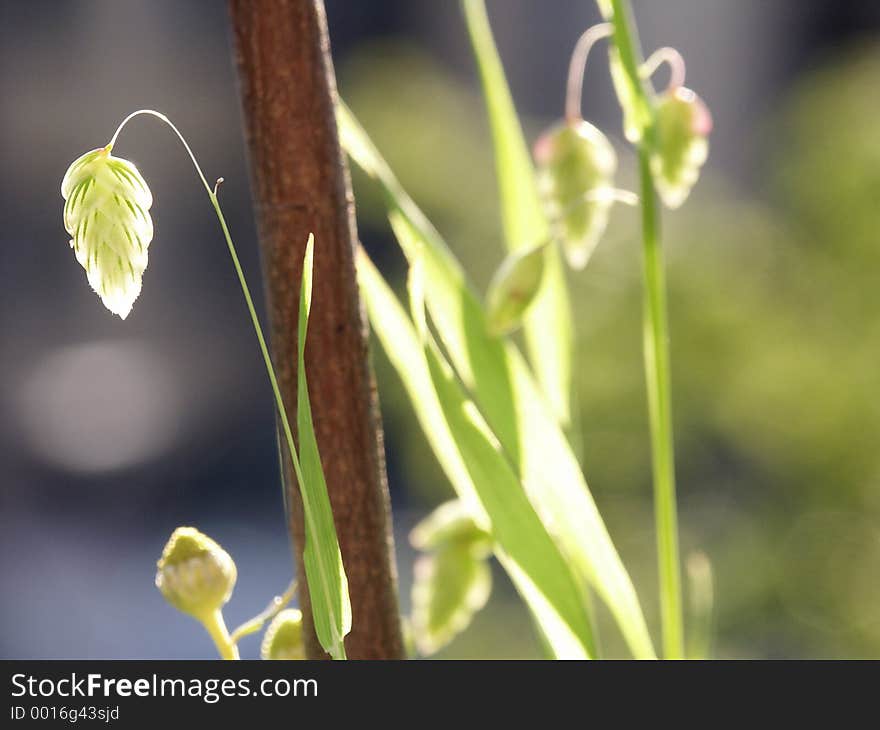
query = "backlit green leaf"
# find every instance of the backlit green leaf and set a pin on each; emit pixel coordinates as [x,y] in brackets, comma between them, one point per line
[328,586]
[548,323]
[508,399]
[480,475]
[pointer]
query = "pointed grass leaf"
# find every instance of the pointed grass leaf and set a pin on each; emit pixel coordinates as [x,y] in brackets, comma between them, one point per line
[328,586]
[487,488]
[548,322]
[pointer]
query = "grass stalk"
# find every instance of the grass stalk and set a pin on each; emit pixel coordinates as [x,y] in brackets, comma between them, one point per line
[656,346]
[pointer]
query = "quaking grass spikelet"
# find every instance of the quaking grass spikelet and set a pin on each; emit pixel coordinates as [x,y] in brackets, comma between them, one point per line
[107,216]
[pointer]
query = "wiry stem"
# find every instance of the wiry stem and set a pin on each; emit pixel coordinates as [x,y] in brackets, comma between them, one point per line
[216,627]
[672,58]
[656,346]
[577,66]
[272,610]
[176,131]
[258,330]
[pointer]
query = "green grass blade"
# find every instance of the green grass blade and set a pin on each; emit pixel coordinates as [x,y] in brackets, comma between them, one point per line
[480,475]
[548,322]
[509,399]
[328,586]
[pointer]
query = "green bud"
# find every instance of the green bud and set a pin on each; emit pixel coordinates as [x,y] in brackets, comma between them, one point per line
[283,639]
[449,587]
[452,581]
[683,123]
[195,574]
[106,214]
[576,166]
[513,288]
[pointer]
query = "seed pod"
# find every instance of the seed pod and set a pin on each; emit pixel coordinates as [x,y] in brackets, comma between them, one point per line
[449,587]
[682,126]
[283,639]
[576,166]
[451,522]
[195,574]
[513,288]
[452,581]
[106,214]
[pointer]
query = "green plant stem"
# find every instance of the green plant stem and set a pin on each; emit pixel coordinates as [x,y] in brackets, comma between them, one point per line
[656,342]
[216,627]
[656,347]
[258,621]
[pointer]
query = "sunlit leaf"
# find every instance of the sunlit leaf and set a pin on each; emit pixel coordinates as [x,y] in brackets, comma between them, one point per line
[480,475]
[508,399]
[548,323]
[328,586]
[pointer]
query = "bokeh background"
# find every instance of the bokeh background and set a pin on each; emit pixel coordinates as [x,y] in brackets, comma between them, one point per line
[113,433]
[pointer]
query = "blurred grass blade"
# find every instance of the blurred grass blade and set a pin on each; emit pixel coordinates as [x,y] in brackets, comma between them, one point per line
[328,586]
[548,323]
[508,398]
[478,472]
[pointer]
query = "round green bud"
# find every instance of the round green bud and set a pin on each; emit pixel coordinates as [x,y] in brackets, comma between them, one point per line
[283,639]
[576,166]
[195,574]
[513,288]
[681,147]
[106,213]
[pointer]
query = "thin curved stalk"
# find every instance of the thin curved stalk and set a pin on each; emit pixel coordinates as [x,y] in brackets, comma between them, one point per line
[656,340]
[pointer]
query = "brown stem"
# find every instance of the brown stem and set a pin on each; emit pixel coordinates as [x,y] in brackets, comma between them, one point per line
[301,185]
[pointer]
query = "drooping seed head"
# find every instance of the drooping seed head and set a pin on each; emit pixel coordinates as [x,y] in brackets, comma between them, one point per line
[195,574]
[681,145]
[106,213]
[576,166]
[283,639]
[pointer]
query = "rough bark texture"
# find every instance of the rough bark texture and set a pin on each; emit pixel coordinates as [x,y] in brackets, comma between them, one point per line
[301,185]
